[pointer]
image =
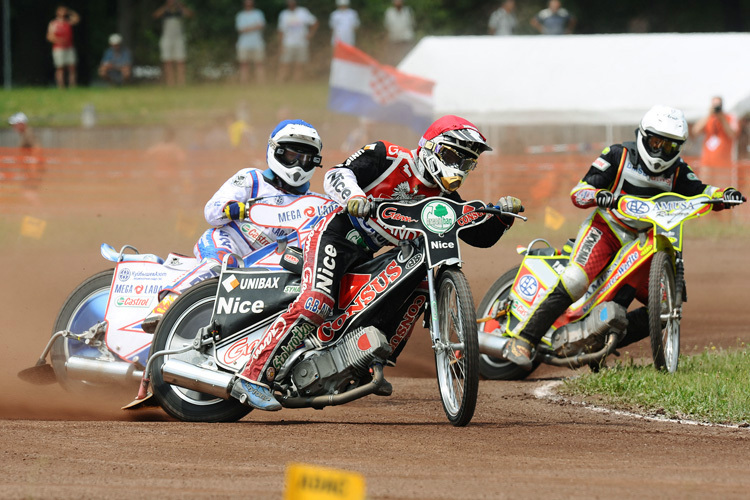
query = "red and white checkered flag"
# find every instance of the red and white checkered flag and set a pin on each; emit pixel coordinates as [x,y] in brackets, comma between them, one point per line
[384,86]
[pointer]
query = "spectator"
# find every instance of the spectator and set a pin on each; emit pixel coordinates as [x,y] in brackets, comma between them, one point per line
[344,23]
[399,23]
[720,130]
[60,35]
[503,20]
[554,20]
[117,61]
[20,123]
[296,27]
[172,41]
[28,166]
[250,45]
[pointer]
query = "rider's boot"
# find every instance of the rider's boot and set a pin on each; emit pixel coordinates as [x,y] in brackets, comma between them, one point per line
[519,349]
[255,395]
[637,327]
[151,321]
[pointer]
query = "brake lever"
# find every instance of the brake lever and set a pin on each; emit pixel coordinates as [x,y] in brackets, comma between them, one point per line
[497,211]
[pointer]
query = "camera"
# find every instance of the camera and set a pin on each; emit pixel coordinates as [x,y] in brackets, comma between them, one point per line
[717,109]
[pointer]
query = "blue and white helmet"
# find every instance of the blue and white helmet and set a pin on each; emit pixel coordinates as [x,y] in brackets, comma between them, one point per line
[294,151]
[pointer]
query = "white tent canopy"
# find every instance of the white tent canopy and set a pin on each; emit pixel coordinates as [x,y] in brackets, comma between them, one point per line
[591,79]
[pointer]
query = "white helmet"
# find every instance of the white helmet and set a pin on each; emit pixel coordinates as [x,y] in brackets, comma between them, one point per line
[660,136]
[294,151]
[449,150]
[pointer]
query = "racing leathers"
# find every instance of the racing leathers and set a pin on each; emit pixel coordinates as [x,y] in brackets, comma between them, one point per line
[617,170]
[227,236]
[340,241]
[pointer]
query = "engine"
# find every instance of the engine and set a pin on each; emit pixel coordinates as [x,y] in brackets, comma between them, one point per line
[588,335]
[330,371]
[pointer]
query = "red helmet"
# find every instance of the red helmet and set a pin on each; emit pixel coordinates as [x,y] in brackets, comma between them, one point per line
[449,150]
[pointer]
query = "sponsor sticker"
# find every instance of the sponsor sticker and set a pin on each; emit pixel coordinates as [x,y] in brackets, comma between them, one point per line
[584,252]
[438,217]
[527,287]
[230,283]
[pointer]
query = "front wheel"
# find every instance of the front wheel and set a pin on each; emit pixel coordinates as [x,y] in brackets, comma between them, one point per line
[457,352]
[179,326]
[663,313]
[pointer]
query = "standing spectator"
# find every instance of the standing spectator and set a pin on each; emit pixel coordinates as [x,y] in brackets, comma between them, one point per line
[399,23]
[60,35]
[554,20]
[720,130]
[172,41]
[250,45]
[117,61]
[344,23]
[296,27]
[503,20]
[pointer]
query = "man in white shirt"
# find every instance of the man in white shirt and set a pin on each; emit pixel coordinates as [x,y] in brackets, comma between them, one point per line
[296,27]
[399,23]
[503,20]
[344,23]
[250,45]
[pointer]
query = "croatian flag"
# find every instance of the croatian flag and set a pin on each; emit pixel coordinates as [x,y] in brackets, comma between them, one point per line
[363,87]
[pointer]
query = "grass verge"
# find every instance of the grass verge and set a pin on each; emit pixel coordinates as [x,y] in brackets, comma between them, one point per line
[710,387]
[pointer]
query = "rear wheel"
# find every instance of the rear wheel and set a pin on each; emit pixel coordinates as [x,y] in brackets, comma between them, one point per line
[84,308]
[178,328]
[663,313]
[491,367]
[457,355]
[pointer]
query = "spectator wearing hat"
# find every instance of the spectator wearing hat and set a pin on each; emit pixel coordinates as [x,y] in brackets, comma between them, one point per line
[60,35]
[117,61]
[343,22]
[399,26]
[20,123]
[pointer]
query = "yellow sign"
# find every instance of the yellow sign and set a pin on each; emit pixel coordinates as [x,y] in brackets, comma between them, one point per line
[309,482]
[553,219]
[31,227]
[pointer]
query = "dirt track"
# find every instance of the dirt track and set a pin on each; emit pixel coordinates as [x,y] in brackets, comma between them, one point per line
[56,445]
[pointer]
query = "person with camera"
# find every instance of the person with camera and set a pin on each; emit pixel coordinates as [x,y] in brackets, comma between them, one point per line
[720,130]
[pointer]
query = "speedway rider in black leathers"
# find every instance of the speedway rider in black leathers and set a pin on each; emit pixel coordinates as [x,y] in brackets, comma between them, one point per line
[644,168]
[447,152]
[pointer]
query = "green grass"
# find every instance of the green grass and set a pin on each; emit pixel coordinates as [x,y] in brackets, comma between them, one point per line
[156,104]
[713,386]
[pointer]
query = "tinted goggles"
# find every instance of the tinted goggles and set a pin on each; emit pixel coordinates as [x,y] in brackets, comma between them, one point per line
[662,146]
[456,158]
[292,157]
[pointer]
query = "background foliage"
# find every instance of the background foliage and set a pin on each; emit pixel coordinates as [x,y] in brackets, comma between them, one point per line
[212,35]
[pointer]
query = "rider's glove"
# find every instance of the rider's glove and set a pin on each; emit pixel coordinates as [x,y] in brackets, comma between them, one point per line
[358,206]
[236,210]
[509,204]
[731,194]
[605,199]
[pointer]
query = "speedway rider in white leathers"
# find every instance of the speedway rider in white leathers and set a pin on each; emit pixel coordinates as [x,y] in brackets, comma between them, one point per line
[447,152]
[293,154]
[650,166]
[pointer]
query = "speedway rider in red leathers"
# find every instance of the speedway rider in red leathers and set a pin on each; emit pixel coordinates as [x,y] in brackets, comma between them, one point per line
[644,168]
[292,156]
[447,152]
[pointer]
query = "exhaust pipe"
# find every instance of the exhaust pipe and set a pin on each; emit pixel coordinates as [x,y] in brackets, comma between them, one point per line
[492,345]
[199,379]
[95,370]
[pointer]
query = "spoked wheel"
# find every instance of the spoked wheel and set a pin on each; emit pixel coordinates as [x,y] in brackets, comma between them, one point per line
[178,328]
[457,355]
[489,366]
[84,308]
[663,313]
